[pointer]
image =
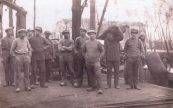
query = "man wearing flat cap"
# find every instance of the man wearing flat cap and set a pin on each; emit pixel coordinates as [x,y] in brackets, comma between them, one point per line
[143,40]
[30,33]
[21,51]
[142,64]
[79,42]
[8,59]
[66,47]
[93,50]
[50,55]
[39,45]
[134,51]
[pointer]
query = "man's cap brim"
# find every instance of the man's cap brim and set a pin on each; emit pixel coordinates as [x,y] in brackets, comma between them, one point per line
[65,31]
[10,28]
[47,32]
[83,29]
[91,31]
[21,30]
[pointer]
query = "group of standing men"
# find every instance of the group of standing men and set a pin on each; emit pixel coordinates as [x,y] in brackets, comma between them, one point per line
[89,52]
[19,53]
[38,51]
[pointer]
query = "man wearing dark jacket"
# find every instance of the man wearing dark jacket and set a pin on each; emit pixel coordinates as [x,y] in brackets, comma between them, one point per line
[112,54]
[49,56]
[7,58]
[79,42]
[39,45]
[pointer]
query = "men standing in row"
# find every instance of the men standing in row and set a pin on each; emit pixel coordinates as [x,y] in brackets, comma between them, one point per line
[112,54]
[7,59]
[134,50]
[66,47]
[21,51]
[93,51]
[39,45]
[79,42]
[50,55]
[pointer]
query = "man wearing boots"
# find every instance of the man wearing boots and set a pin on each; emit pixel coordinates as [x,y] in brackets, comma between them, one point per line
[134,51]
[65,47]
[21,51]
[50,55]
[93,51]
[79,42]
[39,45]
[7,58]
[112,54]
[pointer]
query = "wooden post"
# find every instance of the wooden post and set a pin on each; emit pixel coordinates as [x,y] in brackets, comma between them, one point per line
[21,14]
[76,18]
[34,13]
[92,15]
[103,13]
[1,12]
[21,21]
[11,16]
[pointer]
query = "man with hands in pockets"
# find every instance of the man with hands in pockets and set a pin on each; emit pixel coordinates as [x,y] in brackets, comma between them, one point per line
[21,50]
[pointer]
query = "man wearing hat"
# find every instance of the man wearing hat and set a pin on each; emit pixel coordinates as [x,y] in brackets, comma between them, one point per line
[21,51]
[65,47]
[142,64]
[30,33]
[39,45]
[93,50]
[79,42]
[50,55]
[166,62]
[112,55]
[134,51]
[8,60]
[142,38]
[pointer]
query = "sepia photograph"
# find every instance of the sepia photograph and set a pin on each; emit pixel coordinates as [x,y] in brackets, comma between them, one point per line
[86,54]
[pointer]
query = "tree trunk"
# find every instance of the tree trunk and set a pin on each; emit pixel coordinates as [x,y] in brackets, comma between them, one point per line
[76,18]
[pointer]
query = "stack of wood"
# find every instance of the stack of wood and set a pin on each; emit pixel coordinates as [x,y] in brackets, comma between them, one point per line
[151,101]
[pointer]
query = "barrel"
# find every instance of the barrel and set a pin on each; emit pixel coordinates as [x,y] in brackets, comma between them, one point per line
[156,66]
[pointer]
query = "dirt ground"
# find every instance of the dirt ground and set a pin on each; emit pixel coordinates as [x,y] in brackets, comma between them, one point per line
[69,97]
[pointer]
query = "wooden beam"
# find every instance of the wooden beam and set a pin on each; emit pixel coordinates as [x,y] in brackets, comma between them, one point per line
[13,6]
[10,15]
[101,20]
[1,13]
[34,14]
[92,15]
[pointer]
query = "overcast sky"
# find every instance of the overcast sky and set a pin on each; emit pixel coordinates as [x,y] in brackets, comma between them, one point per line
[48,12]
